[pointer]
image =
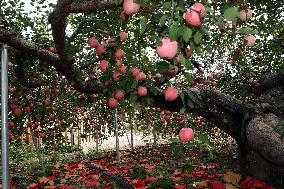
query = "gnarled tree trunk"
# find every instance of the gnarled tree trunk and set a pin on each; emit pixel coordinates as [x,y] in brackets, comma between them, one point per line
[264,157]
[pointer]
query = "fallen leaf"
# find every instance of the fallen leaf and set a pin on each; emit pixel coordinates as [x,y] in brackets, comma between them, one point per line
[180,186]
[230,186]
[217,185]
[202,184]
[232,178]
[92,183]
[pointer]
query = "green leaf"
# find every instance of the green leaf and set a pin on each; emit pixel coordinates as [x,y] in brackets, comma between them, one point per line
[182,96]
[247,30]
[282,136]
[197,37]
[232,13]
[204,139]
[186,33]
[143,25]
[188,78]
[190,104]
[192,96]
[163,20]
[174,32]
[162,66]
[167,5]
[182,110]
[181,8]
[182,59]
[187,63]
[208,9]
[118,2]
[189,167]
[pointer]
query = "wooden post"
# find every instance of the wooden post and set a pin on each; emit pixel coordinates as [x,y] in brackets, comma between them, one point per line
[37,150]
[72,138]
[131,131]
[79,135]
[154,131]
[116,136]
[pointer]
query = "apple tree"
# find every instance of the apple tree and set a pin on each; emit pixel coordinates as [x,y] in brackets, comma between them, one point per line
[222,60]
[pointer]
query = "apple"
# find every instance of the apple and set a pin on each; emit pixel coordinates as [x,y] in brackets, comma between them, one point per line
[119,95]
[140,76]
[192,18]
[245,15]
[27,109]
[198,7]
[123,36]
[130,7]
[103,65]
[135,71]
[168,49]
[119,54]
[112,103]
[123,16]
[171,94]
[93,42]
[11,125]
[122,69]
[142,91]
[116,76]
[249,40]
[186,134]
[17,111]
[100,50]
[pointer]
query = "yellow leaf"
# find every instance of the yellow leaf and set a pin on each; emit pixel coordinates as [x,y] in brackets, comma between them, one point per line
[43,180]
[202,184]
[57,165]
[232,178]
[230,186]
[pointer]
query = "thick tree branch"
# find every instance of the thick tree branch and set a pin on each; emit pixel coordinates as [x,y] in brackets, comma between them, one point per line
[32,49]
[58,21]
[222,110]
[271,80]
[92,6]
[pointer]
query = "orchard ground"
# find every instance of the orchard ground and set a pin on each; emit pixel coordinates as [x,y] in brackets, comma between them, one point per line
[124,142]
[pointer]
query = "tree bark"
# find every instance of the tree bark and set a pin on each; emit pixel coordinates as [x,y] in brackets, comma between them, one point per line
[264,159]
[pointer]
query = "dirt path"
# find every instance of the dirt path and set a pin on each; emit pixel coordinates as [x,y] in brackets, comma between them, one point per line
[124,142]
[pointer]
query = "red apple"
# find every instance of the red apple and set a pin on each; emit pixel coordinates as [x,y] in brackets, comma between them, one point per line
[116,76]
[122,69]
[140,76]
[112,103]
[245,15]
[186,134]
[93,42]
[130,7]
[249,40]
[168,49]
[142,91]
[100,50]
[103,66]
[198,7]
[171,94]
[135,71]
[27,109]
[192,18]
[119,54]
[11,125]
[119,95]
[17,112]
[123,36]
[123,16]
